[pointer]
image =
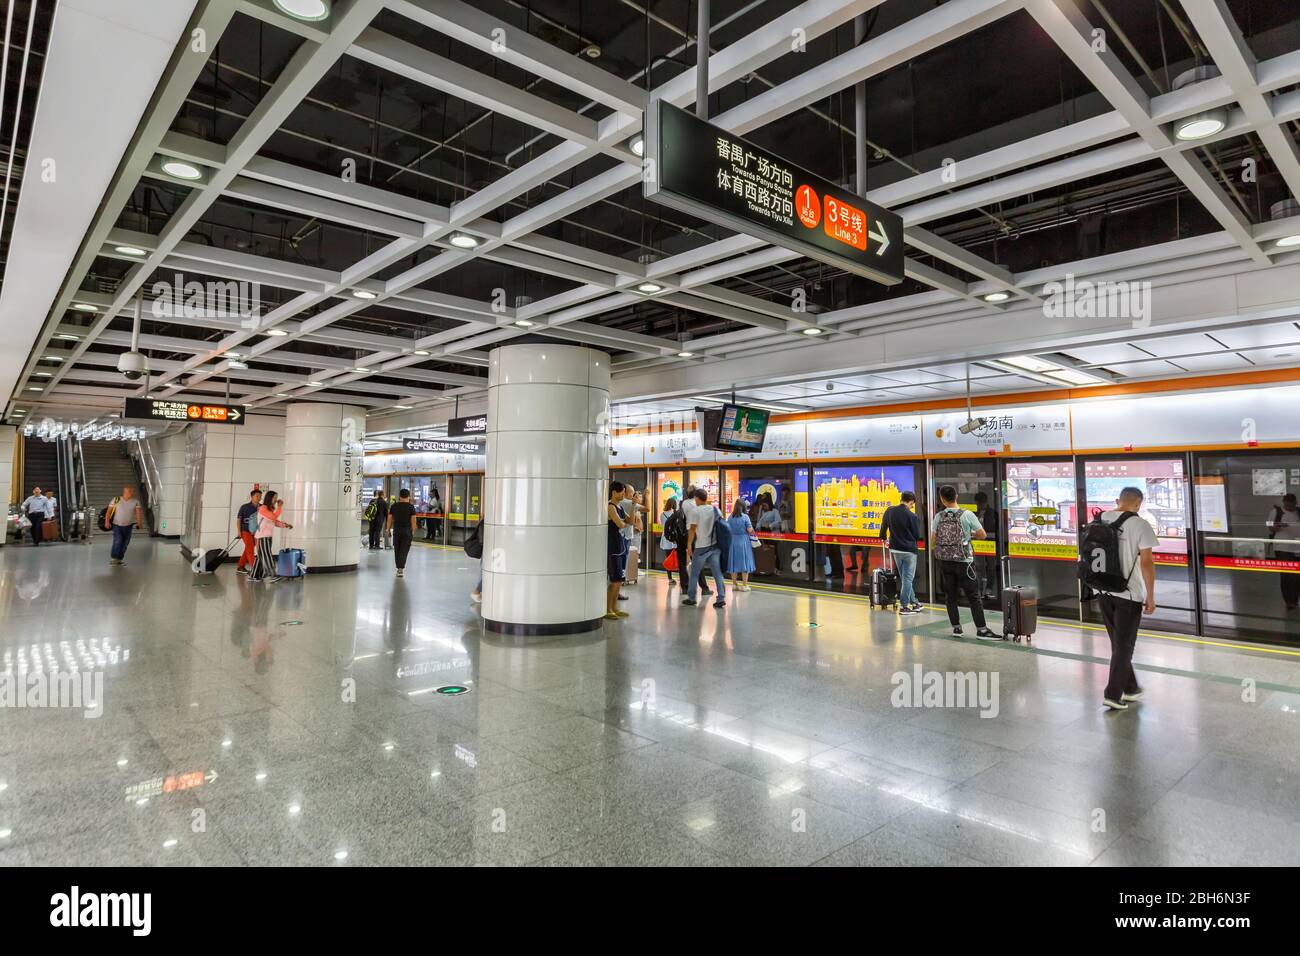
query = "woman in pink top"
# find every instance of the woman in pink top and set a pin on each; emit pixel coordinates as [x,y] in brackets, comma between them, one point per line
[268,520]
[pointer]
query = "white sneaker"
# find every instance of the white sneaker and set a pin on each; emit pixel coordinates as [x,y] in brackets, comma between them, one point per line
[1125,698]
[401,573]
[1115,704]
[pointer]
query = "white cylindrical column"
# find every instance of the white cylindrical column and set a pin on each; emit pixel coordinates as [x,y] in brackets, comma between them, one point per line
[323,448]
[545,546]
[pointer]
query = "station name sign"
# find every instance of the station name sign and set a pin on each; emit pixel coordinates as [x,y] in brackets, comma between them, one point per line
[704,170]
[442,445]
[157,409]
[465,427]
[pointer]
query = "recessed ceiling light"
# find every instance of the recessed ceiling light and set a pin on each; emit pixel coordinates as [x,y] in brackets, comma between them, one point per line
[649,288]
[277,333]
[68,337]
[316,384]
[1201,125]
[463,240]
[1030,363]
[523,323]
[83,307]
[43,374]
[305,9]
[180,170]
[284,395]
[637,144]
[997,297]
[364,294]
[404,408]
[52,358]
[129,250]
[341,855]
[34,388]
[361,368]
[236,364]
[1074,377]
[421,352]
[1287,242]
[686,355]
[812,330]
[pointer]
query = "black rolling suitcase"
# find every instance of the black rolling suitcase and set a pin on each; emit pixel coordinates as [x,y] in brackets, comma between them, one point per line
[884,584]
[212,559]
[1019,608]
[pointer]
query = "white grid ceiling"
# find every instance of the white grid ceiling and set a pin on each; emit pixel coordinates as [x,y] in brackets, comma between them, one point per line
[1262,98]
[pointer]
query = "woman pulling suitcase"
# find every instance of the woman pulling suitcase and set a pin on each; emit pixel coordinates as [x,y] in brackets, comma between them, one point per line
[268,520]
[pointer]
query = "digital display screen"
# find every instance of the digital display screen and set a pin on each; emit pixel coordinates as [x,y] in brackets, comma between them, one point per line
[742,428]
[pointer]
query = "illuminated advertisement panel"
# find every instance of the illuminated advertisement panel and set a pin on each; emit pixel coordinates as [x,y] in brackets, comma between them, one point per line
[1042,514]
[849,501]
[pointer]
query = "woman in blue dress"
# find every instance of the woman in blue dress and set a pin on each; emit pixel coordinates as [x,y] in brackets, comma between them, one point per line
[741,559]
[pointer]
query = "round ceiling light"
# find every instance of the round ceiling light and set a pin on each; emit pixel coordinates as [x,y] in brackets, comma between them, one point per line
[686,355]
[67,337]
[129,250]
[649,288]
[276,332]
[1288,242]
[82,307]
[462,240]
[421,352]
[523,323]
[1201,125]
[311,10]
[316,384]
[361,368]
[637,144]
[181,170]
[812,331]
[363,294]
[997,297]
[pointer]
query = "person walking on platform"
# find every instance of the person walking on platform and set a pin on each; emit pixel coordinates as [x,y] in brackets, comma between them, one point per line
[667,545]
[268,520]
[702,547]
[688,507]
[1122,610]
[401,524]
[34,510]
[740,559]
[246,525]
[378,511]
[1284,531]
[953,530]
[126,517]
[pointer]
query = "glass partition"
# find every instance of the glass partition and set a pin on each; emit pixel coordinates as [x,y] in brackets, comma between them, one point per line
[768,492]
[1166,508]
[976,481]
[1039,502]
[1248,536]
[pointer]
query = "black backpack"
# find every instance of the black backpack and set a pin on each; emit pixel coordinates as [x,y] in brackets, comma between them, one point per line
[1100,565]
[675,528]
[474,543]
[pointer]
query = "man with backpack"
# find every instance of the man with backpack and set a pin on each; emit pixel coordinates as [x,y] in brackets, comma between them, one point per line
[245,525]
[952,533]
[1115,545]
[377,515]
[704,546]
[687,507]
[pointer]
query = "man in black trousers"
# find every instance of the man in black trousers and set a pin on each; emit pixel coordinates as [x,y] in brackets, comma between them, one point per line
[380,519]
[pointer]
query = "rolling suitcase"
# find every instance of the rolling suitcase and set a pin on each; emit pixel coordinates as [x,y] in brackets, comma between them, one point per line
[213,558]
[884,584]
[1019,608]
[765,559]
[291,563]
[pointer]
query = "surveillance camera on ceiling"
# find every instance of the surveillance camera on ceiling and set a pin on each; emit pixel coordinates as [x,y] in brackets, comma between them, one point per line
[971,425]
[133,365]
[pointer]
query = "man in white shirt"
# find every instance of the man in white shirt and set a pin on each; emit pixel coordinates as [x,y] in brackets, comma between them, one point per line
[37,509]
[1122,610]
[1284,531]
[688,507]
[702,547]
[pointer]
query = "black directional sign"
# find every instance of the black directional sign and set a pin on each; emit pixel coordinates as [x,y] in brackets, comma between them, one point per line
[466,427]
[708,172]
[159,409]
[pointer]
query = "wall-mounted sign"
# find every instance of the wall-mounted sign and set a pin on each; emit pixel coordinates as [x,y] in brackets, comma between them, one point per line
[1004,431]
[865,437]
[463,427]
[442,445]
[708,172]
[162,410]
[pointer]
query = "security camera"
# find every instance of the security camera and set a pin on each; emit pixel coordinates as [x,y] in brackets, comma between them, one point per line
[133,365]
[971,425]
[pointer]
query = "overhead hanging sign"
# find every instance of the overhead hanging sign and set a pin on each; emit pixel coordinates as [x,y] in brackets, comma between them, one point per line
[162,410]
[703,170]
[464,427]
[442,445]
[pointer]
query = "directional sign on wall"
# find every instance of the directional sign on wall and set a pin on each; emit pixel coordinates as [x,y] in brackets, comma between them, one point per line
[703,170]
[463,427]
[158,409]
[441,445]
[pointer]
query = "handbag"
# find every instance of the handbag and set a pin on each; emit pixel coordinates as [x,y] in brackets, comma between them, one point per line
[670,562]
[754,540]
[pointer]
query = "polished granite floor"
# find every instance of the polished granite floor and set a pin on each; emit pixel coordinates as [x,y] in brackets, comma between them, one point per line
[298,723]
